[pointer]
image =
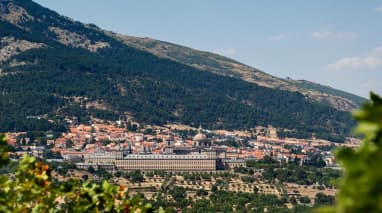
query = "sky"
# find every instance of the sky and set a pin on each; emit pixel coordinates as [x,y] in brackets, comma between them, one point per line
[332,42]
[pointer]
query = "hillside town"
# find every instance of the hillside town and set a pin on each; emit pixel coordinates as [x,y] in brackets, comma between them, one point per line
[124,146]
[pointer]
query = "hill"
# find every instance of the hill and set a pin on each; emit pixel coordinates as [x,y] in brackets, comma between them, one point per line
[225,66]
[54,68]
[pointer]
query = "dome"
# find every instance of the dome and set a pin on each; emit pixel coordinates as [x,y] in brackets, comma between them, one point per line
[200,137]
[169,138]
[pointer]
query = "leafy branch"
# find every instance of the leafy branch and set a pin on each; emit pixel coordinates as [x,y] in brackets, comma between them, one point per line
[361,184]
[31,189]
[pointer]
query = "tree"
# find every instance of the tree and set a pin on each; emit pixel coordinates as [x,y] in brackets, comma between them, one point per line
[132,127]
[49,154]
[201,192]
[201,205]
[316,160]
[85,177]
[118,174]
[255,190]
[179,195]
[360,188]
[304,199]
[293,200]
[137,177]
[4,158]
[91,169]
[323,199]
[214,188]
[69,143]
[32,189]
[23,141]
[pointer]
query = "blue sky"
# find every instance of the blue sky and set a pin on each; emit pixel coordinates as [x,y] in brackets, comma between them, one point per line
[332,42]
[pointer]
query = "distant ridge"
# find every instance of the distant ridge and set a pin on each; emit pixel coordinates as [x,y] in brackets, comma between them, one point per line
[225,66]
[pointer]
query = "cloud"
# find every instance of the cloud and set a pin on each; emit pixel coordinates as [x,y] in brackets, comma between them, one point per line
[355,63]
[378,50]
[378,9]
[369,61]
[334,35]
[279,37]
[225,51]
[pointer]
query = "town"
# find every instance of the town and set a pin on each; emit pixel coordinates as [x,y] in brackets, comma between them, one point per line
[125,145]
[151,160]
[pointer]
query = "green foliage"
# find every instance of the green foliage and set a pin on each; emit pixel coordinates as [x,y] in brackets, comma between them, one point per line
[32,189]
[243,170]
[315,160]
[178,193]
[304,175]
[132,127]
[304,199]
[323,199]
[4,159]
[361,185]
[201,192]
[69,143]
[103,174]
[136,176]
[266,162]
[49,154]
[214,188]
[248,179]
[309,173]
[224,201]
[9,168]
[149,131]
[196,176]
[103,114]
[301,209]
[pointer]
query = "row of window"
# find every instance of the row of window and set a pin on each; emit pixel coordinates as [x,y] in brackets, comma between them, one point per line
[179,165]
[166,157]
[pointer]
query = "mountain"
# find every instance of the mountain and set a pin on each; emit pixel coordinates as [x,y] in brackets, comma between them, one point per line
[54,68]
[225,66]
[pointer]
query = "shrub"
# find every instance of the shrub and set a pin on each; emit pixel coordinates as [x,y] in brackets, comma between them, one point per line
[361,185]
[32,189]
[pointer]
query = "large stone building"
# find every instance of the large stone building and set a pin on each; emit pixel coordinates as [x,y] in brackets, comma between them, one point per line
[198,157]
[205,161]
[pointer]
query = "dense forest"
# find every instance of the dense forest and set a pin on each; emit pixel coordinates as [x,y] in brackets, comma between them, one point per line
[152,89]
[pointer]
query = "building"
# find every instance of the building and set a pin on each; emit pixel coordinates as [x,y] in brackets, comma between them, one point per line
[194,161]
[201,140]
[199,156]
[235,163]
[204,161]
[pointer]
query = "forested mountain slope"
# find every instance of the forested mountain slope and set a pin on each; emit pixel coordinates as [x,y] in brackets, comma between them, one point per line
[54,68]
[225,66]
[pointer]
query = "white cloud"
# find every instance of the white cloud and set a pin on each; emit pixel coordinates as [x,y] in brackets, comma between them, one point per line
[321,34]
[369,61]
[279,37]
[225,51]
[334,35]
[355,63]
[378,9]
[378,50]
